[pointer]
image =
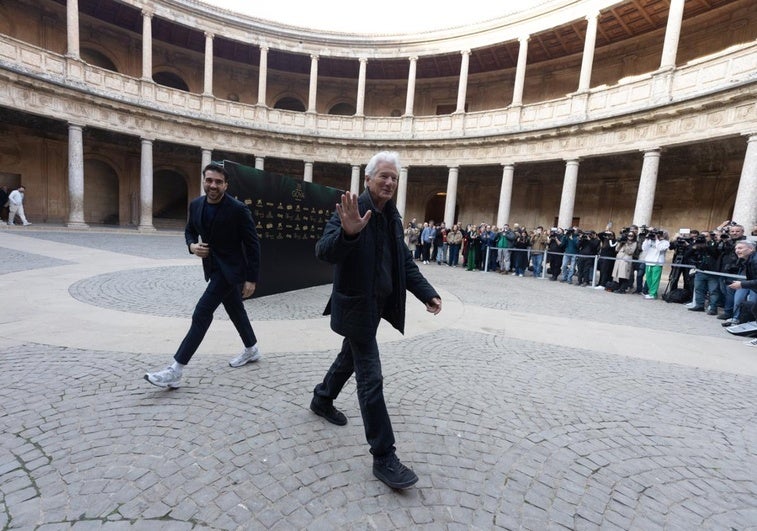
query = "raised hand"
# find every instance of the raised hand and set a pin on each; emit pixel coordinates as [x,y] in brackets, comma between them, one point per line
[349,214]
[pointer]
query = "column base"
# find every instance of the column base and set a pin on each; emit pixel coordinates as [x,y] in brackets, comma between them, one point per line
[146,228]
[77,225]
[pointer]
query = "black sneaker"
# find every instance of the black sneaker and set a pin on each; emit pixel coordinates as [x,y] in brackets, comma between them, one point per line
[327,411]
[396,475]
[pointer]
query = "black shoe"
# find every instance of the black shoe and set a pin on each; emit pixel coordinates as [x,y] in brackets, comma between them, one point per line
[396,475]
[725,316]
[327,411]
[712,311]
[697,309]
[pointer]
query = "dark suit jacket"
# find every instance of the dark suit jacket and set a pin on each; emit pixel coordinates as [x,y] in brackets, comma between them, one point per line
[353,308]
[232,238]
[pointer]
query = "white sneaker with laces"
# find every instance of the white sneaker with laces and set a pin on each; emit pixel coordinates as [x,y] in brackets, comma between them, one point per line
[752,342]
[248,355]
[168,377]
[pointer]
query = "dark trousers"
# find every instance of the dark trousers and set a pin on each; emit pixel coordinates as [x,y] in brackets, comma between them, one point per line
[218,292]
[585,266]
[362,358]
[676,273]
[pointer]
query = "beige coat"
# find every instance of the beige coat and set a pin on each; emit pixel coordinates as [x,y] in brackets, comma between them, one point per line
[623,267]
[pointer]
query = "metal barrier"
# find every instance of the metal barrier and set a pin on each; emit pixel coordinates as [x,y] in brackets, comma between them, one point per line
[597,258]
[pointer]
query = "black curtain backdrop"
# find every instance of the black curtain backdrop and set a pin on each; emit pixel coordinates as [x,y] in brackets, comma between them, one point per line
[289,215]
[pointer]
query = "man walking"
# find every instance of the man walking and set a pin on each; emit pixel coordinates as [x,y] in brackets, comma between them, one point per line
[363,239]
[221,231]
[16,206]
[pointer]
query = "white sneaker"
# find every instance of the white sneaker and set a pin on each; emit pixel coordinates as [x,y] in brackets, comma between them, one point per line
[649,297]
[752,342]
[27,224]
[248,355]
[168,377]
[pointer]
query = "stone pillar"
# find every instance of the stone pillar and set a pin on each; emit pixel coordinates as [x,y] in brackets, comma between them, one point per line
[520,71]
[462,87]
[360,107]
[308,175]
[505,194]
[75,177]
[451,201]
[402,192]
[642,214]
[410,100]
[263,75]
[72,28]
[672,35]
[745,207]
[208,86]
[259,163]
[584,81]
[355,181]
[313,83]
[207,157]
[146,45]
[145,188]
[568,198]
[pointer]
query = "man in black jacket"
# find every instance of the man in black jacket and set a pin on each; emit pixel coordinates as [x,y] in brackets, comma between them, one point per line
[221,231]
[373,270]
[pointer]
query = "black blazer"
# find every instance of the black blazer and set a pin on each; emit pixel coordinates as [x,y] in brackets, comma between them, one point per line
[232,238]
[352,305]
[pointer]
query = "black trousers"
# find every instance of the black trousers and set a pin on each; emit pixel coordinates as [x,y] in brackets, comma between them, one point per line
[362,358]
[218,292]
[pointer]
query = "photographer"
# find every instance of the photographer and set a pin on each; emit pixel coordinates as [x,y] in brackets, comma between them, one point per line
[539,242]
[570,244]
[622,271]
[654,247]
[730,234]
[555,245]
[706,251]
[683,254]
[745,250]
[505,241]
[520,258]
[607,250]
[588,247]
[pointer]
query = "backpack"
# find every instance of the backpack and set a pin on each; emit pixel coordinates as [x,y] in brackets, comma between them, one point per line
[679,296]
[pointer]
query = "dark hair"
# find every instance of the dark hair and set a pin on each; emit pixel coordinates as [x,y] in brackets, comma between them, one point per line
[218,168]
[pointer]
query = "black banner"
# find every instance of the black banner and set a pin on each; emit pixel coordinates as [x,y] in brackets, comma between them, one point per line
[289,215]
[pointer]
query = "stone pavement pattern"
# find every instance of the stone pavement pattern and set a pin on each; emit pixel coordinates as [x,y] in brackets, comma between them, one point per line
[526,404]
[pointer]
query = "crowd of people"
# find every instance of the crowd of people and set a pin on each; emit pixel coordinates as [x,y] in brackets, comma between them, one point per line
[706,266]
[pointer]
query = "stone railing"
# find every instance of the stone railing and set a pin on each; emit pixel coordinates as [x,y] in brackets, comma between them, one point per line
[720,72]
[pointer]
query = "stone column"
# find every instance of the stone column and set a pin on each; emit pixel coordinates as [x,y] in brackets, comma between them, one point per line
[72,28]
[259,163]
[207,157]
[208,86]
[642,214]
[313,83]
[568,198]
[587,62]
[745,208]
[462,87]
[147,45]
[75,177]
[355,181]
[672,35]
[520,71]
[505,194]
[360,107]
[402,192]
[451,200]
[263,75]
[410,100]
[145,188]
[308,175]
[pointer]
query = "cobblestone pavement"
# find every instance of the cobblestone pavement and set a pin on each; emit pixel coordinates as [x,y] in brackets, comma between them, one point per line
[526,404]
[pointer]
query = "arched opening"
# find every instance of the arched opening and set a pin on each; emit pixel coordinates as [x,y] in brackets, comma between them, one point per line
[435,207]
[169,79]
[97,58]
[289,103]
[100,193]
[169,195]
[343,109]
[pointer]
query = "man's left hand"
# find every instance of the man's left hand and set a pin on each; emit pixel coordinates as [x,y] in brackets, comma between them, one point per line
[434,305]
[248,289]
[736,284]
